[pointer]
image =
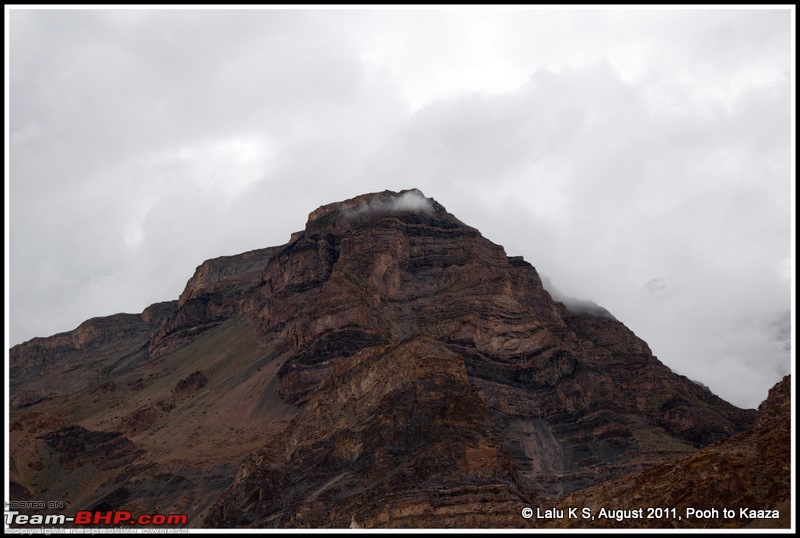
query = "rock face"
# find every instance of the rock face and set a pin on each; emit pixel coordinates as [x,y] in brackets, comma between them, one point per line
[749,474]
[79,357]
[211,297]
[387,367]
[433,451]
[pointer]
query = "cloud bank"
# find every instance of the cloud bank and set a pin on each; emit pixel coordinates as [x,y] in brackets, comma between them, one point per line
[610,148]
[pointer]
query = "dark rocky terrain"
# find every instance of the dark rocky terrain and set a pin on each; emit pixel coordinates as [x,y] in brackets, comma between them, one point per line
[750,471]
[388,367]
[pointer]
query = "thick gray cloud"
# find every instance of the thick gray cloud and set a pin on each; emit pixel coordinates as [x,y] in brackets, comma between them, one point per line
[611,148]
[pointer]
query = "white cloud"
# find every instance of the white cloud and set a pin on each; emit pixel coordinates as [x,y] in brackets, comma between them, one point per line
[411,200]
[609,147]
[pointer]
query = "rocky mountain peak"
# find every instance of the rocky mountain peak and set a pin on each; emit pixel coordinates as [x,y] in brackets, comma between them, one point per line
[378,203]
[409,206]
[388,365]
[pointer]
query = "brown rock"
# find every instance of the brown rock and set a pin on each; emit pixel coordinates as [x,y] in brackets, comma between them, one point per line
[211,296]
[79,446]
[388,366]
[80,357]
[748,474]
[194,381]
[433,447]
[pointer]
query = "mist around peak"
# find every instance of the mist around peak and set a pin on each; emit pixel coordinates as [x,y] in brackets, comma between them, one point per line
[411,200]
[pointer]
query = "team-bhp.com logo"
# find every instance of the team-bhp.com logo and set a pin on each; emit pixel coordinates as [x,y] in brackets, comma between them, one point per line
[85,517]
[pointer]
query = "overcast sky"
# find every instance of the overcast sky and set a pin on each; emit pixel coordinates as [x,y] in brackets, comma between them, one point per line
[641,159]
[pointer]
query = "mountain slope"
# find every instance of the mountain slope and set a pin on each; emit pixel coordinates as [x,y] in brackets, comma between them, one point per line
[749,474]
[388,366]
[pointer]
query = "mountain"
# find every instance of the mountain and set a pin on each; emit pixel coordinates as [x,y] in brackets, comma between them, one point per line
[749,474]
[387,367]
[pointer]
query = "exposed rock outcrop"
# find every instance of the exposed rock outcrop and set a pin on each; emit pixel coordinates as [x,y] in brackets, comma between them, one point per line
[211,296]
[749,475]
[89,352]
[78,446]
[388,366]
